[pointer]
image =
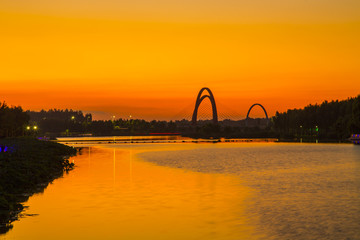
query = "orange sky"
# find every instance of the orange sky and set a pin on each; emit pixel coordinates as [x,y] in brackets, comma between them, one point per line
[150,58]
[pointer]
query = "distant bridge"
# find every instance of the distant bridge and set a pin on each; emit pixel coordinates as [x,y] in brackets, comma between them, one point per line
[256,104]
[199,99]
[210,96]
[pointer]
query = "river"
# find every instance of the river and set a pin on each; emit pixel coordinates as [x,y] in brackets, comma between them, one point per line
[200,191]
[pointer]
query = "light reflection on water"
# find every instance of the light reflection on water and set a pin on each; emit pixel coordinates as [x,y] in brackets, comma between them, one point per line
[113,195]
[201,191]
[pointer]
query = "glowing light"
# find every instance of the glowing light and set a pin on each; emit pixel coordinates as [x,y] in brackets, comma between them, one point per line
[28,127]
[35,127]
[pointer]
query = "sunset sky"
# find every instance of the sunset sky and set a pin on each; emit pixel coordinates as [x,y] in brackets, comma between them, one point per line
[149,58]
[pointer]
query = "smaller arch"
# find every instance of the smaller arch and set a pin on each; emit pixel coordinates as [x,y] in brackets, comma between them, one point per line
[203,97]
[256,104]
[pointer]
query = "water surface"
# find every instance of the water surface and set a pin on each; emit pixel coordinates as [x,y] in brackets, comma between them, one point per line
[201,191]
[302,191]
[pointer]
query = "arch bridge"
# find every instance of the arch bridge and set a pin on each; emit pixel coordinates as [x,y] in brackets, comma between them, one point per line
[208,94]
[248,113]
[199,99]
[257,104]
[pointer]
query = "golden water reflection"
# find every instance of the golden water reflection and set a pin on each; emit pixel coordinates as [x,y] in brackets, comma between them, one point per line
[112,194]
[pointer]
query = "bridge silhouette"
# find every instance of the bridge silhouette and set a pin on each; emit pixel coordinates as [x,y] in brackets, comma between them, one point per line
[208,111]
[215,117]
[199,99]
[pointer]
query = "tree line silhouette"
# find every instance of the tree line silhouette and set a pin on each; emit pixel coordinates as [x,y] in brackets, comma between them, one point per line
[12,120]
[56,122]
[335,120]
[328,120]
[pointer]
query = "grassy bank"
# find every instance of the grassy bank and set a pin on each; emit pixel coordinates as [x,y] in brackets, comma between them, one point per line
[27,165]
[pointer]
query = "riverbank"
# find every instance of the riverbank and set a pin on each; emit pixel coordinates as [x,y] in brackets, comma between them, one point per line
[27,166]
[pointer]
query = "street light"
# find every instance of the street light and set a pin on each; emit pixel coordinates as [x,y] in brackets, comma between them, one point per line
[35,127]
[28,128]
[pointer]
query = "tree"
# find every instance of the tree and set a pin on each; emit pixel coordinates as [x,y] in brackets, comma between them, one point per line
[12,121]
[355,116]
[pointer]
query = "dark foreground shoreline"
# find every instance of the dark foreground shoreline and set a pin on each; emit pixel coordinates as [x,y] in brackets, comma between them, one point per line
[27,166]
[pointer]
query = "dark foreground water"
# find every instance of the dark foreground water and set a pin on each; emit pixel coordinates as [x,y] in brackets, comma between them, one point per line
[201,191]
